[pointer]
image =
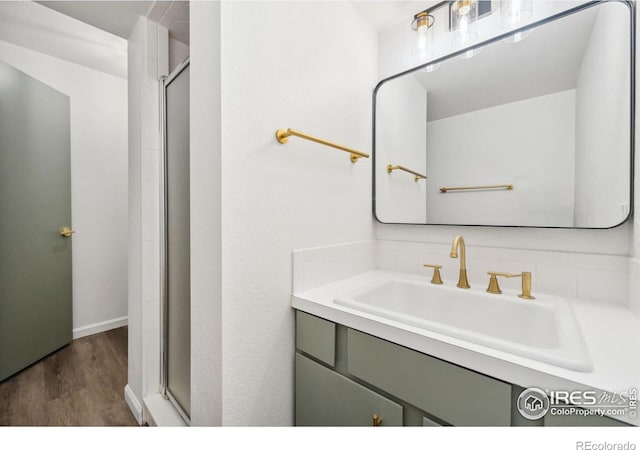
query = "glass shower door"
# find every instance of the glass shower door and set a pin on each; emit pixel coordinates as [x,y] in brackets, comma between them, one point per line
[176,254]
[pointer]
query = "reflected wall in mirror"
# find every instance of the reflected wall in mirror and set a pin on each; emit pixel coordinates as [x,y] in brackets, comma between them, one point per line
[551,115]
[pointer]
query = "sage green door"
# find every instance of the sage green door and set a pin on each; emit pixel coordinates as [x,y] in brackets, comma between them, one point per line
[35,203]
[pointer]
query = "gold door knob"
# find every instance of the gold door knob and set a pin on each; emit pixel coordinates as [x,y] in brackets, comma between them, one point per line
[377,420]
[66,232]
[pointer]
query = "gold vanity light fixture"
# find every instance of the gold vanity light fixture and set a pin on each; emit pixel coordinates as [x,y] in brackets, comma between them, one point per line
[283,135]
[462,15]
[422,23]
[416,176]
[463,7]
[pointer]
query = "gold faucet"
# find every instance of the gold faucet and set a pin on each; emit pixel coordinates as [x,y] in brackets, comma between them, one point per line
[494,288]
[458,241]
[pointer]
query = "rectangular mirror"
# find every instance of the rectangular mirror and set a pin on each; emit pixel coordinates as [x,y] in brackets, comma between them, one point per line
[535,130]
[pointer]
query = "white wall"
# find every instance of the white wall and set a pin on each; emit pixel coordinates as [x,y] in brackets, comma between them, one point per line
[402,107]
[528,143]
[602,93]
[98,182]
[148,61]
[275,198]
[178,53]
[206,214]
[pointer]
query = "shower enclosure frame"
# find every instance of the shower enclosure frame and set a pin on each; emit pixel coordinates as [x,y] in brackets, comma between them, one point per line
[164,82]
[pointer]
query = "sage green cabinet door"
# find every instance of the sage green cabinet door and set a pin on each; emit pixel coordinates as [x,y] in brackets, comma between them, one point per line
[35,203]
[316,337]
[326,398]
[454,394]
[429,423]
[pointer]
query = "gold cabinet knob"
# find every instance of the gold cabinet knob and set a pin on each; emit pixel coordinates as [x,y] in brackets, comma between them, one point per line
[66,232]
[377,420]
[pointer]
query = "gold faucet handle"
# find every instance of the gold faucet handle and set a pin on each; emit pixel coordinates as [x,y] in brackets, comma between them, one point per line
[435,279]
[494,288]
[504,274]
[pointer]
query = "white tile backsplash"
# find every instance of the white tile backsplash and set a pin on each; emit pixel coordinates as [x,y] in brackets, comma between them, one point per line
[599,262]
[559,280]
[386,259]
[583,275]
[320,265]
[602,285]
[477,269]
[407,262]
[501,254]
[542,257]
[297,279]
[634,267]
[633,286]
[312,275]
[605,278]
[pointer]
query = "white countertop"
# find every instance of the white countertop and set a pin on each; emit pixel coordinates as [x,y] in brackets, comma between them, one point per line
[611,334]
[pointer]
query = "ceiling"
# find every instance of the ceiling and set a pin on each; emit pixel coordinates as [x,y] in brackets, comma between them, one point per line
[118,17]
[385,14]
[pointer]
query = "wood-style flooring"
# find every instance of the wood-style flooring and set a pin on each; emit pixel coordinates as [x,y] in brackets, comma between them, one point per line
[81,384]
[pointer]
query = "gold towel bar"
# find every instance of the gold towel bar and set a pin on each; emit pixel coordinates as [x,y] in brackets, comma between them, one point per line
[473,188]
[417,176]
[283,136]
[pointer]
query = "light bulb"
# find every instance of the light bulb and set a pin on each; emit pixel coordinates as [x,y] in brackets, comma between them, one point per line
[464,7]
[515,12]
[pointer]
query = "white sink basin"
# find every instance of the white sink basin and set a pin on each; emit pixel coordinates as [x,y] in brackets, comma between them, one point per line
[543,329]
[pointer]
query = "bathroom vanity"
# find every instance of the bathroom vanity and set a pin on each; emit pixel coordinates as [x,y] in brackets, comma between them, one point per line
[501,133]
[358,368]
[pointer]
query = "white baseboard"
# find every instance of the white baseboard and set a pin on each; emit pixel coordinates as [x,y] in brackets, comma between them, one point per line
[99,327]
[134,404]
